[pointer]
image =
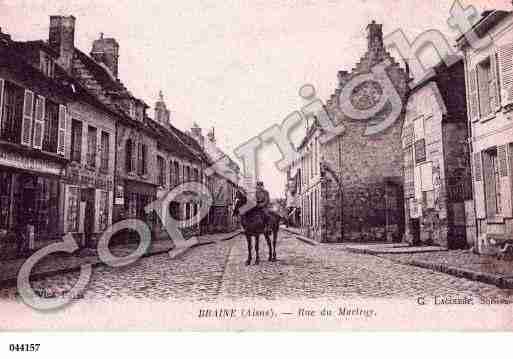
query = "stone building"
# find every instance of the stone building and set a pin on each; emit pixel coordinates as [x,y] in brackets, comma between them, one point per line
[437,186]
[222,180]
[55,178]
[179,160]
[309,187]
[361,173]
[292,192]
[489,82]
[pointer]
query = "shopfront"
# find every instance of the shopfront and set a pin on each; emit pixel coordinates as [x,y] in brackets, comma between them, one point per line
[87,205]
[30,193]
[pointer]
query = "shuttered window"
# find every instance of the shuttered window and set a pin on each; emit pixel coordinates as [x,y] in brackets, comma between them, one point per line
[105,149]
[39,123]
[492,183]
[420,151]
[76,140]
[129,153]
[505,60]
[479,195]
[484,80]
[504,162]
[28,117]
[473,100]
[12,112]
[51,127]
[61,139]
[92,139]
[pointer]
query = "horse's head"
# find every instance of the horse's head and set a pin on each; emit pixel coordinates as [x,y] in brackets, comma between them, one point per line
[240,200]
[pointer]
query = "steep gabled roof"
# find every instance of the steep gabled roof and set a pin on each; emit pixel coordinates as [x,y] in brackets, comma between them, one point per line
[14,56]
[109,83]
[171,141]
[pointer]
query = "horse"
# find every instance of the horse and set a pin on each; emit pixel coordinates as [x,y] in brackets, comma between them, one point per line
[252,222]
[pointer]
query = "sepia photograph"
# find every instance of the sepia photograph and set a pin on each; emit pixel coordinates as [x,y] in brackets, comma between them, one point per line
[266,165]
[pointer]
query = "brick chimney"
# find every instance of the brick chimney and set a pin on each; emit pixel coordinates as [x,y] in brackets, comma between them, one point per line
[161,111]
[106,51]
[62,39]
[374,37]
[197,135]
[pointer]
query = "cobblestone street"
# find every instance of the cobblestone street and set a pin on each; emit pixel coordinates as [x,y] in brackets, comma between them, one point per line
[218,271]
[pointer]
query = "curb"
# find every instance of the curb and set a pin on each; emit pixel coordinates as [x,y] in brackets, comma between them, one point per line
[500,281]
[378,252]
[10,282]
[302,238]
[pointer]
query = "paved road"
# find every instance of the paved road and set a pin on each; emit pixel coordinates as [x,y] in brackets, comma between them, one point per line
[302,271]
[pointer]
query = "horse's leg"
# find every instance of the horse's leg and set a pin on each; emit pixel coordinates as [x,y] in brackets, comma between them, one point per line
[270,246]
[275,239]
[257,241]
[248,239]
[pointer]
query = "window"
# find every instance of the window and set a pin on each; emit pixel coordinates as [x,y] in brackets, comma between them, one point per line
[73,209]
[129,154]
[142,170]
[486,88]
[161,175]
[177,173]
[171,173]
[492,182]
[420,151]
[12,113]
[105,144]
[51,133]
[92,134]
[76,140]
[103,213]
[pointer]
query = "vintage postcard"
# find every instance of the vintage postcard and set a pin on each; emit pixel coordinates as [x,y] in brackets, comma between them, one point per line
[256,165]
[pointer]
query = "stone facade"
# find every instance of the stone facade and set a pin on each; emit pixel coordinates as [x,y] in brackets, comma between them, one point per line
[488,74]
[362,194]
[438,195]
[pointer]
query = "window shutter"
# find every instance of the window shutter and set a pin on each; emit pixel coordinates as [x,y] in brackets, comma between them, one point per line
[479,187]
[506,73]
[28,116]
[139,158]
[1,100]
[489,184]
[61,136]
[39,123]
[495,89]
[134,155]
[473,100]
[505,178]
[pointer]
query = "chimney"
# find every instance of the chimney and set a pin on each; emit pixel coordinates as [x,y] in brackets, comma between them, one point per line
[374,36]
[4,38]
[197,135]
[62,39]
[106,51]
[161,111]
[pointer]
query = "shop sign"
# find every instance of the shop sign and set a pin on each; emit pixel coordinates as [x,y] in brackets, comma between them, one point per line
[17,160]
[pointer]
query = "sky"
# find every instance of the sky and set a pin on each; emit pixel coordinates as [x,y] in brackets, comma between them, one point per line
[236,66]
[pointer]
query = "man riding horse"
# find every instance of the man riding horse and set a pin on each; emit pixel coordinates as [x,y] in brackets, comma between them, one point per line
[257,220]
[262,201]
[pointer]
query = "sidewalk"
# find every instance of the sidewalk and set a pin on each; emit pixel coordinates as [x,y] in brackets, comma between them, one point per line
[62,262]
[461,263]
